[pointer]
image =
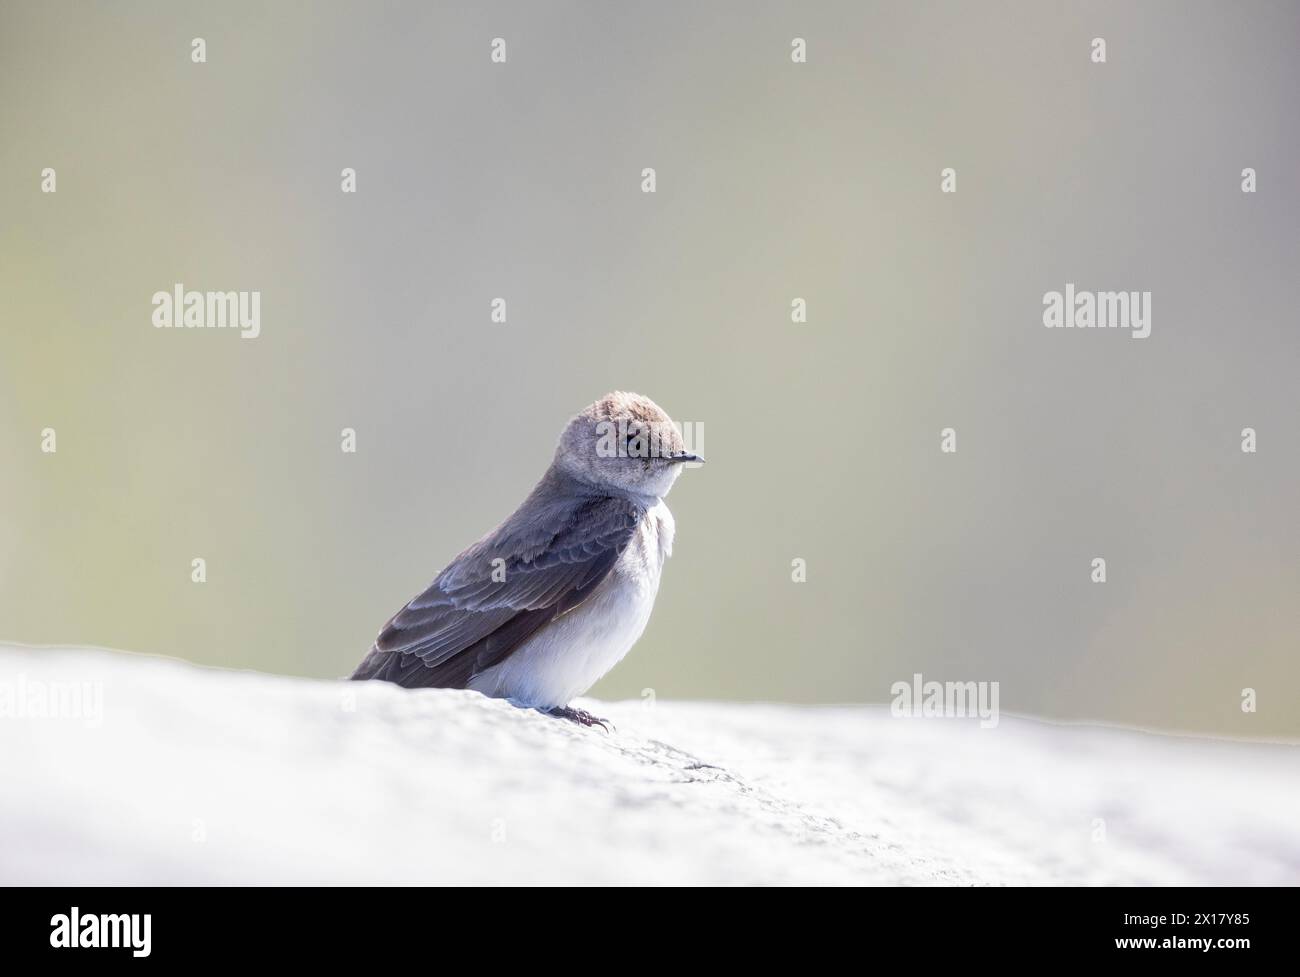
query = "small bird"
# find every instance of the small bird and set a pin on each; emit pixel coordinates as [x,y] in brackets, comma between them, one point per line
[553,598]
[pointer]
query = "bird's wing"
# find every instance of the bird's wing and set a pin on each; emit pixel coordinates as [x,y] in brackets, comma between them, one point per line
[501,590]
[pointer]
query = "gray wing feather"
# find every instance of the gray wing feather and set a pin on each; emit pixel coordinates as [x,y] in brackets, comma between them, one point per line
[466,621]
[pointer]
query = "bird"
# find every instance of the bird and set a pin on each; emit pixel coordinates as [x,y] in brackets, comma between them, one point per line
[545,604]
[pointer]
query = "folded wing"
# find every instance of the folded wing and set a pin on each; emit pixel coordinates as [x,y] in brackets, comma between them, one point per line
[502,590]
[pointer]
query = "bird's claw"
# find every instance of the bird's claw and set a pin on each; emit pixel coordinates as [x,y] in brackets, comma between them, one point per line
[580,716]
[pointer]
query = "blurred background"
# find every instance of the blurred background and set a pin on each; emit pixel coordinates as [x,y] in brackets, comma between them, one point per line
[775,180]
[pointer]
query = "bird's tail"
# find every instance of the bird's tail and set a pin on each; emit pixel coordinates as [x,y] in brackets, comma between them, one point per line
[372,666]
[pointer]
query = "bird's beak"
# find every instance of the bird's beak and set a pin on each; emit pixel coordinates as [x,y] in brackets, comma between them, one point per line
[687,456]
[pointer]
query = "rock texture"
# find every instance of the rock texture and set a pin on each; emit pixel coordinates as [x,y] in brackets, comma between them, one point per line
[188,774]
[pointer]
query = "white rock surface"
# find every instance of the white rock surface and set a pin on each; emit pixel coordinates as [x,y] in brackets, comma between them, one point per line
[195,774]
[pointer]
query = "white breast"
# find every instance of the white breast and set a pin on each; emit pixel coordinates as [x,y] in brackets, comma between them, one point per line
[568,656]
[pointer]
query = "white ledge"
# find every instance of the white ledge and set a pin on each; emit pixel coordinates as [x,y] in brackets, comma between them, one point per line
[204,775]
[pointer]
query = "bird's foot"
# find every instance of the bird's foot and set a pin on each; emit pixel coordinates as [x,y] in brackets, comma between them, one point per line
[579,716]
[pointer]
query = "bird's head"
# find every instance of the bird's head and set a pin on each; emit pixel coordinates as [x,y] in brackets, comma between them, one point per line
[624,442]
